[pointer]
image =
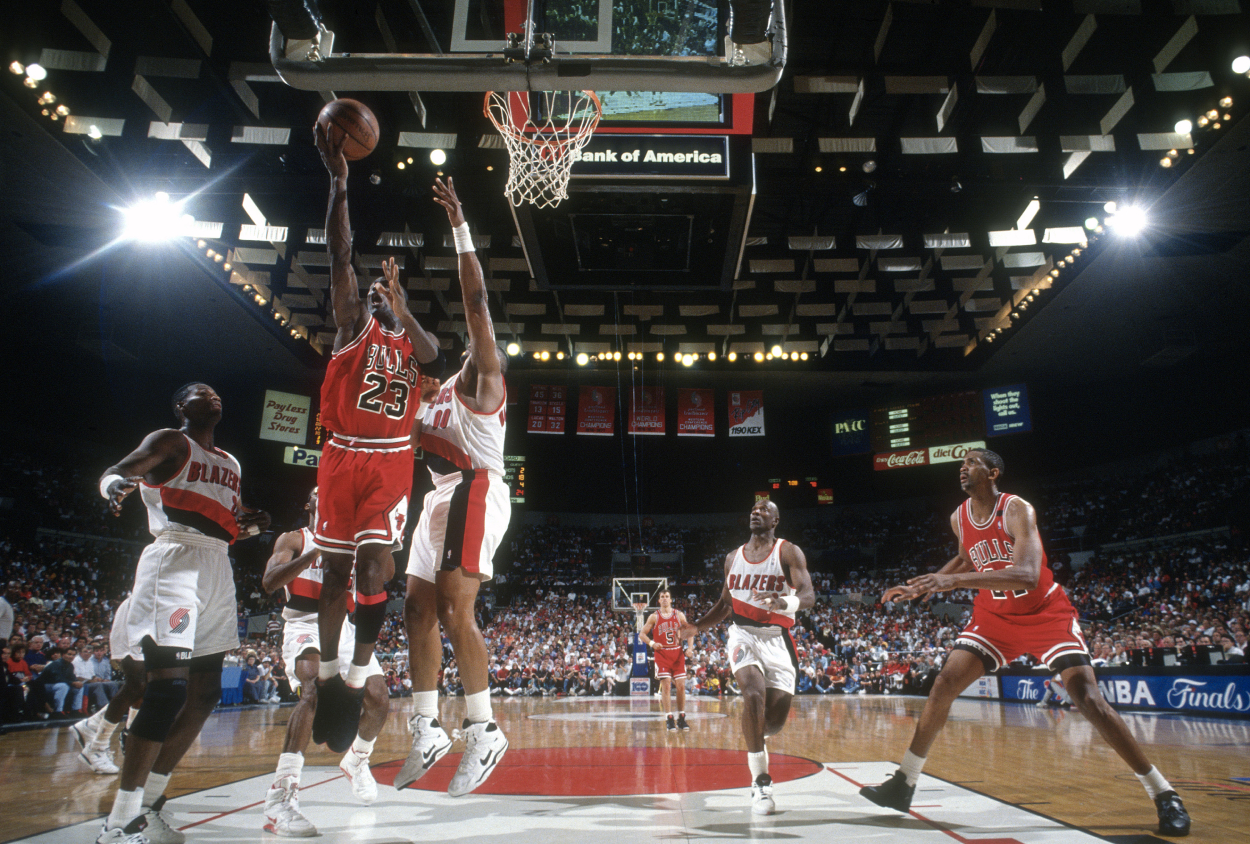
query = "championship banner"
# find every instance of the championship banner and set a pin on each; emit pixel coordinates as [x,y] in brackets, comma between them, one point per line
[646,410]
[746,413]
[695,417]
[548,405]
[596,411]
[285,417]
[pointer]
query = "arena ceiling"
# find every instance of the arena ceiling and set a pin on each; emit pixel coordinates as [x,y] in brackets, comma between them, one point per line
[968,111]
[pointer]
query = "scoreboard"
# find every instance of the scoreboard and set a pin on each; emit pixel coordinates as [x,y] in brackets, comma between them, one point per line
[514,476]
[928,422]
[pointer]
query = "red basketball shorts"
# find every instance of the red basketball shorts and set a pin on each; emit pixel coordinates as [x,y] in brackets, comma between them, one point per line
[362,494]
[1053,636]
[670,662]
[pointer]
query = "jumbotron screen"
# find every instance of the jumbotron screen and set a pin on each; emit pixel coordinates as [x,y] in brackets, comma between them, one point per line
[933,421]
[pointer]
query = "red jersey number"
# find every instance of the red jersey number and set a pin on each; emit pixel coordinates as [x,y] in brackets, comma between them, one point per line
[373,399]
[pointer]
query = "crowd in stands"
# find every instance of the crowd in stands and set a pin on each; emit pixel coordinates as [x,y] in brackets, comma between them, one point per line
[548,618]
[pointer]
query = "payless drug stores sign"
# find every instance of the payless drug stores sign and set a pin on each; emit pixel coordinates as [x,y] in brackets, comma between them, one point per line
[654,156]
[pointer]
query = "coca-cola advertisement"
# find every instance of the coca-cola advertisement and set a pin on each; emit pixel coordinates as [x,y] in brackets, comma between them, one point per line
[694,413]
[901,459]
[953,453]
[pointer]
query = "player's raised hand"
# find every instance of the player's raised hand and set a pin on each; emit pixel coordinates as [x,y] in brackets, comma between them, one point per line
[252,522]
[445,195]
[430,388]
[927,583]
[331,151]
[393,291]
[119,489]
[900,593]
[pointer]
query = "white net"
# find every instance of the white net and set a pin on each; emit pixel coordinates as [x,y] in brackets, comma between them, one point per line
[543,131]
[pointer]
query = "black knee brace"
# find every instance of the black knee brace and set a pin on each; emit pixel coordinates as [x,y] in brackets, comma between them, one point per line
[162,701]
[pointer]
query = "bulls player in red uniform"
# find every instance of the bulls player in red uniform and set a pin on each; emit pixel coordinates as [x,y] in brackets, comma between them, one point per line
[182,607]
[369,404]
[662,633]
[1019,609]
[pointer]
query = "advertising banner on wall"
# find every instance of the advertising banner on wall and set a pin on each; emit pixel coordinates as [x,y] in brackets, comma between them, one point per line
[596,411]
[646,411]
[1007,410]
[953,453]
[746,413]
[547,409]
[850,433]
[285,417]
[1173,690]
[695,416]
[985,687]
[900,459]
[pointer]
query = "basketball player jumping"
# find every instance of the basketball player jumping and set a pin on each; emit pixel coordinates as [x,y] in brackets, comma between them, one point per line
[369,404]
[462,522]
[766,582]
[296,566]
[1019,609]
[661,633]
[182,608]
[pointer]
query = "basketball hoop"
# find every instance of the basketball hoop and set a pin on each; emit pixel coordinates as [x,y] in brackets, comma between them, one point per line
[543,136]
[640,610]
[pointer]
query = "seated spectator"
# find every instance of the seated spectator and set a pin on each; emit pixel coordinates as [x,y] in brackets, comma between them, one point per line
[253,691]
[56,684]
[96,673]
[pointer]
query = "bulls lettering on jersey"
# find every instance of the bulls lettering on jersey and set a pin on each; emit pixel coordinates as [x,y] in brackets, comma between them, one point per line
[304,592]
[990,548]
[203,495]
[460,438]
[746,578]
[666,629]
[371,386]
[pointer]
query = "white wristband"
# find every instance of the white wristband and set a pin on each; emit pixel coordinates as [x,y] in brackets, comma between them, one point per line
[789,603]
[421,406]
[464,240]
[106,482]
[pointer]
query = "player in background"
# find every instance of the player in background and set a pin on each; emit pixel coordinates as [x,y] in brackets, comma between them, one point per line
[182,606]
[766,582]
[1019,609]
[462,522]
[295,566]
[369,404]
[95,734]
[661,632]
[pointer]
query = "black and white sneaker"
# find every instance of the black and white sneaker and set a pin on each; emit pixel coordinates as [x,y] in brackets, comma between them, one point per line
[681,724]
[670,723]
[484,746]
[762,795]
[894,793]
[430,743]
[1173,819]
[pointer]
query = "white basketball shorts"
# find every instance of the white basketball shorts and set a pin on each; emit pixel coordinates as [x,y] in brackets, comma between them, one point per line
[769,648]
[301,634]
[120,645]
[462,522]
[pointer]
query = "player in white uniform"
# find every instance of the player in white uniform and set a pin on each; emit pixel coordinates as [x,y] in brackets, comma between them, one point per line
[766,582]
[295,566]
[95,734]
[182,607]
[462,522]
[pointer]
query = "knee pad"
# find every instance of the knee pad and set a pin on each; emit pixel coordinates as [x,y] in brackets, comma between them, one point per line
[162,701]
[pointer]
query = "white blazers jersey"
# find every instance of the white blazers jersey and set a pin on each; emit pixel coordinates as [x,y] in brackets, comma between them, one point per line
[203,495]
[455,437]
[747,577]
[304,592]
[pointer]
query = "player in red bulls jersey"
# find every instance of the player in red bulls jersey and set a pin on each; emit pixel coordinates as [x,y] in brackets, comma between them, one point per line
[462,522]
[182,607]
[1019,609]
[661,633]
[766,582]
[295,566]
[369,404]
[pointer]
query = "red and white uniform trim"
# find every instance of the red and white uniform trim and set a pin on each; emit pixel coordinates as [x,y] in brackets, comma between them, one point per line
[747,577]
[304,592]
[203,495]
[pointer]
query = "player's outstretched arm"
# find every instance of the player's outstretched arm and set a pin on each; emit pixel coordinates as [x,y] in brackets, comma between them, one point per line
[155,460]
[349,316]
[424,344]
[956,564]
[285,563]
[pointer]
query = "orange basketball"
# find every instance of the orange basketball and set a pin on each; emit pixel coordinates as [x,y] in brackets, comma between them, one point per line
[353,119]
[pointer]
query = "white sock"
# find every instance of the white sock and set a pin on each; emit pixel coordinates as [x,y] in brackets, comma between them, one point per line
[477,706]
[126,807]
[1153,782]
[103,736]
[327,669]
[363,746]
[765,752]
[427,703]
[758,764]
[911,766]
[356,675]
[669,715]
[154,788]
[289,765]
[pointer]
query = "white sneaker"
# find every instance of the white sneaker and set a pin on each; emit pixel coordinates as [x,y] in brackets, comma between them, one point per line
[100,761]
[484,746]
[762,795]
[356,768]
[86,729]
[132,833]
[430,743]
[159,830]
[282,814]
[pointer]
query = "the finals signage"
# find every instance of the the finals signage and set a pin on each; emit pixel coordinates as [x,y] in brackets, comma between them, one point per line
[654,157]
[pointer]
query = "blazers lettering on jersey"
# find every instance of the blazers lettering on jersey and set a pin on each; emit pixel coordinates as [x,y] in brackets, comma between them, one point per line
[757,582]
[747,577]
[203,495]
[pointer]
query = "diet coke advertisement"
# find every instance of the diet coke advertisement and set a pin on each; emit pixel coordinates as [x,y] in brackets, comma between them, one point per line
[952,453]
[901,459]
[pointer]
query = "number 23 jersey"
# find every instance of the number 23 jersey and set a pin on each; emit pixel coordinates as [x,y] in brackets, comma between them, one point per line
[371,386]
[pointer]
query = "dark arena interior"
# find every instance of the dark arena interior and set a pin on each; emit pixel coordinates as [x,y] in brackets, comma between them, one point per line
[820,254]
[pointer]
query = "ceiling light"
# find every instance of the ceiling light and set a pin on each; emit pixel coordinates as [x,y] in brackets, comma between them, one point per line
[842,169]
[733,356]
[1173,153]
[616,356]
[870,165]
[48,98]
[1213,125]
[16,67]
[687,360]
[154,219]
[956,186]
[437,157]
[219,257]
[1130,221]
[794,356]
[803,356]
[768,356]
[818,168]
[200,244]
[1184,127]
[582,359]
[36,72]
[1226,102]
[537,356]
[776,350]
[659,356]
[400,165]
[489,167]
[559,355]
[711,355]
[1241,64]
[1165,162]
[759,356]
[546,355]
[226,266]
[30,83]
[514,349]
[1202,121]
[63,110]
[1091,223]
[1212,114]
[1226,117]
[409,159]
[1109,206]
[1054,274]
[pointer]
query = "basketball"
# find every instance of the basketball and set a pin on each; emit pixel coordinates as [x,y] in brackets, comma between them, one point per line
[353,119]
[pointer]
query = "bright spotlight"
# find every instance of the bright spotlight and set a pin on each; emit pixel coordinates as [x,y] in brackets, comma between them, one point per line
[1241,64]
[687,360]
[776,350]
[616,356]
[659,356]
[803,356]
[582,358]
[1091,223]
[711,355]
[437,157]
[1184,127]
[16,67]
[514,349]
[36,72]
[546,355]
[733,356]
[155,219]
[1109,206]
[759,357]
[1130,221]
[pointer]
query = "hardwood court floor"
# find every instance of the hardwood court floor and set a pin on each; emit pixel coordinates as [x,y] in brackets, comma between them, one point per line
[584,754]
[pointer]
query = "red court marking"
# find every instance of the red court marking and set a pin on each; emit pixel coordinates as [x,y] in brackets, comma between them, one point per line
[252,805]
[935,824]
[591,771]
